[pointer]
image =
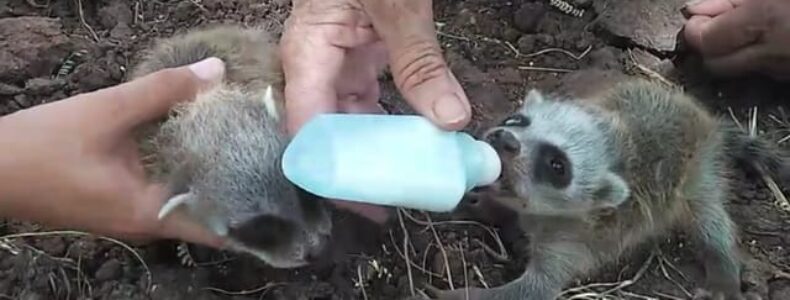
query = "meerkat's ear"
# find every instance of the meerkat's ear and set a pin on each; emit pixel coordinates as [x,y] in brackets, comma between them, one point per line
[270,103]
[612,191]
[533,96]
[180,191]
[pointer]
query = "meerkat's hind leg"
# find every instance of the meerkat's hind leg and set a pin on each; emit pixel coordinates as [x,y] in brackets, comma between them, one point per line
[715,233]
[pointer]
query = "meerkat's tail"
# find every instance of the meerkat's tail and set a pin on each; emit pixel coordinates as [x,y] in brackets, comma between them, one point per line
[756,155]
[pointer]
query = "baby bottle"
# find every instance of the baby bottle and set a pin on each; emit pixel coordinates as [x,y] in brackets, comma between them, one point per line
[393,160]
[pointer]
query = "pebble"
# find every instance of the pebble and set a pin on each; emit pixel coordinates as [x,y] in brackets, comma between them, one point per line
[43,86]
[528,16]
[109,270]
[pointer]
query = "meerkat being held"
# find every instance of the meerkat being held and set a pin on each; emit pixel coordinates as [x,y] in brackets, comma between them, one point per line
[594,178]
[220,154]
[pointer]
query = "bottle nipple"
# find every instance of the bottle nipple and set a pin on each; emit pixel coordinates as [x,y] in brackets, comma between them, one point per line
[490,164]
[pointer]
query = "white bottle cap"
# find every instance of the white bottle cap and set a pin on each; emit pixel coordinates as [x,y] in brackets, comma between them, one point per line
[491,166]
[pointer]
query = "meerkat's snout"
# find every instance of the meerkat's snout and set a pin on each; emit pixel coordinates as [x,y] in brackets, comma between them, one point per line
[503,141]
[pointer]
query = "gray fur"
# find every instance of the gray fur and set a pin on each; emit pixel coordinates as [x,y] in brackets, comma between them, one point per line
[644,159]
[220,153]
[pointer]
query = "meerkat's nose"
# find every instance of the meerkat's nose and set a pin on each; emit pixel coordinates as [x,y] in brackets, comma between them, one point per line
[503,141]
[319,249]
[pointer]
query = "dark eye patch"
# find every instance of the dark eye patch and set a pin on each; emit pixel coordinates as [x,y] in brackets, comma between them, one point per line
[265,232]
[552,166]
[517,120]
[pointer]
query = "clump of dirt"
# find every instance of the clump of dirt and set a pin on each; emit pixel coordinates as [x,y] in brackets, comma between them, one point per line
[498,49]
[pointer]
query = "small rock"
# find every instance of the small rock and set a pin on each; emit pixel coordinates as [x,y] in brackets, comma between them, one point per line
[118,12]
[465,16]
[582,4]
[646,59]
[605,58]
[30,47]
[527,18]
[90,77]
[5,10]
[83,249]
[652,24]
[532,42]
[511,34]
[9,90]
[110,270]
[52,246]
[43,86]
[121,32]
[184,10]
[507,75]
[584,41]
[17,103]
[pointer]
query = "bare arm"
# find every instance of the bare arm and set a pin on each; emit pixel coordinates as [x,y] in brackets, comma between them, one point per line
[74,163]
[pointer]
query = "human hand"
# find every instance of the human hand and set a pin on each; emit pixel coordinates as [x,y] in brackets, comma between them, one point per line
[333,51]
[741,36]
[74,163]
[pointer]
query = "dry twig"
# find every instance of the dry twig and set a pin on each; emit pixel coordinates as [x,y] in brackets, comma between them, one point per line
[406,252]
[588,291]
[128,248]
[442,250]
[244,292]
[84,23]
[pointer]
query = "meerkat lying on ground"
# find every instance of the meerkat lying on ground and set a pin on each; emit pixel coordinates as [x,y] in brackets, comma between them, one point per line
[594,178]
[220,154]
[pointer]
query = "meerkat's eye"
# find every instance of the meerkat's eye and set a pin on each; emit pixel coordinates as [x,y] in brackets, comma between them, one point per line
[552,166]
[558,166]
[517,120]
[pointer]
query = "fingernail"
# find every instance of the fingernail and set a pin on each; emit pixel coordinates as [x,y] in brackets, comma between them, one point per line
[692,2]
[684,10]
[449,109]
[210,69]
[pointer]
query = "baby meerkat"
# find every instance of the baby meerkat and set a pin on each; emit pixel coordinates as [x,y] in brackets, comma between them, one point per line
[220,154]
[594,178]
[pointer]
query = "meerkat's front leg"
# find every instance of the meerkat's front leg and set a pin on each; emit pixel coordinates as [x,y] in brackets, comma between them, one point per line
[551,267]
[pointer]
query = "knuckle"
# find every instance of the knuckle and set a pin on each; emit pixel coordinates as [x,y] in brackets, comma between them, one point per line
[420,63]
[171,77]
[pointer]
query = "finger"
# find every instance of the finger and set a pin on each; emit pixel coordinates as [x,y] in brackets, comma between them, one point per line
[711,7]
[724,33]
[418,67]
[311,65]
[748,59]
[309,87]
[360,106]
[150,97]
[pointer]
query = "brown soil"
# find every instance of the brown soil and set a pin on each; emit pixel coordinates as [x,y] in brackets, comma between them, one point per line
[54,49]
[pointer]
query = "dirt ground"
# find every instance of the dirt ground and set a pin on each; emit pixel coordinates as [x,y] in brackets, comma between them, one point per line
[53,49]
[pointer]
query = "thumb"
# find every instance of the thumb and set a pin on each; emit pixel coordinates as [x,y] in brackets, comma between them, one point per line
[418,67]
[149,97]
